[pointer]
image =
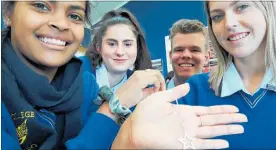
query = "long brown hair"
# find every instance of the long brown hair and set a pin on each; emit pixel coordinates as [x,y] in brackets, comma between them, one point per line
[115,17]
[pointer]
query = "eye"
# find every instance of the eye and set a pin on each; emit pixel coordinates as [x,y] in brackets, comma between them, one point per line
[112,44]
[41,6]
[217,18]
[242,7]
[178,50]
[128,44]
[76,17]
[195,50]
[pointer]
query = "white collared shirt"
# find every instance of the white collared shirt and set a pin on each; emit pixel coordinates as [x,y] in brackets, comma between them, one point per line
[102,78]
[170,84]
[232,82]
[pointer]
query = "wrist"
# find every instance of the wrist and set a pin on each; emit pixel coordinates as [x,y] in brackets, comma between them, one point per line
[123,139]
[105,110]
[123,100]
[113,105]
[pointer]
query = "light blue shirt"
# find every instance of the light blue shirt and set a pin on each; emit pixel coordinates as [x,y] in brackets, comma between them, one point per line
[170,84]
[232,82]
[102,78]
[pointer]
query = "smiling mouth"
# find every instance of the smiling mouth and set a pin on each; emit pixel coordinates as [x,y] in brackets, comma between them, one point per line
[238,37]
[120,60]
[186,65]
[52,41]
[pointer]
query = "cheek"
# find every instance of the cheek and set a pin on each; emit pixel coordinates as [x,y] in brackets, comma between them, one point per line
[79,35]
[106,53]
[200,59]
[132,53]
[175,57]
[218,32]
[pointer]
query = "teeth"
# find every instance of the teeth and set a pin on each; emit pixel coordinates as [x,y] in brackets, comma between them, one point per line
[52,41]
[243,35]
[186,65]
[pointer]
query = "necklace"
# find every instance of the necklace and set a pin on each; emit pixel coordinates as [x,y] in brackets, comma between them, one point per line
[186,140]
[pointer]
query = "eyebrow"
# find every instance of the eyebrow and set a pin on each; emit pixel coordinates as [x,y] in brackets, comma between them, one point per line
[113,40]
[218,10]
[128,40]
[195,47]
[71,7]
[178,47]
[189,47]
[76,7]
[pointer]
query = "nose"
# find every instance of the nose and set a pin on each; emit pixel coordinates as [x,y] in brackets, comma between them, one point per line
[186,54]
[119,51]
[231,21]
[59,22]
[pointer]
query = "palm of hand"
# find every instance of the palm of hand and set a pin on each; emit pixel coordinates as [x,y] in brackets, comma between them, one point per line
[163,123]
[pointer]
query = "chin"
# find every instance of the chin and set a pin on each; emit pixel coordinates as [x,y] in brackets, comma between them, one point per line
[186,74]
[240,55]
[123,70]
[53,64]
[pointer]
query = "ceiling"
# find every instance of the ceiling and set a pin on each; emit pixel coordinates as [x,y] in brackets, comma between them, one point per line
[100,7]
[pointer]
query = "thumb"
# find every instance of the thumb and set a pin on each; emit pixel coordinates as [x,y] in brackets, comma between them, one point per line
[176,92]
[147,92]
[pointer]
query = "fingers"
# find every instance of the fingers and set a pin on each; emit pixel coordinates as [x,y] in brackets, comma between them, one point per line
[147,78]
[160,79]
[147,92]
[219,109]
[210,144]
[214,131]
[218,119]
[176,92]
[157,86]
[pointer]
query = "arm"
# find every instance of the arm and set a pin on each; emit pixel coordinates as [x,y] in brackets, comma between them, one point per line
[99,129]
[8,142]
[8,132]
[98,133]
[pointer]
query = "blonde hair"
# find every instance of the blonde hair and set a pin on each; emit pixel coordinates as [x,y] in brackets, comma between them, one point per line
[225,59]
[186,26]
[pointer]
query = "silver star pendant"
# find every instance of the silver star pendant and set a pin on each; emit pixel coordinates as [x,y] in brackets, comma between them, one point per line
[187,142]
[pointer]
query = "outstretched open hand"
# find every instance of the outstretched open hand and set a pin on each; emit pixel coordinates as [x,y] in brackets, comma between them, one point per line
[157,123]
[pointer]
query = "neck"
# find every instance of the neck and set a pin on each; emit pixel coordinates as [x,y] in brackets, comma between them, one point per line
[48,72]
[115,78]
[179,80]
[251,69]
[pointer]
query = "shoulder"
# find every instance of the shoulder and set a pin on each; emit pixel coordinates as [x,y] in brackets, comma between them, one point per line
[7,123]
[84,58]
[199,80]
[90,92]
[86,63]
[90,86]
[198,86]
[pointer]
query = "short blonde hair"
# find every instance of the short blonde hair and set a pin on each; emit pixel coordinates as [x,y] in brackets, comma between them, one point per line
[225,59]
[186,26]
